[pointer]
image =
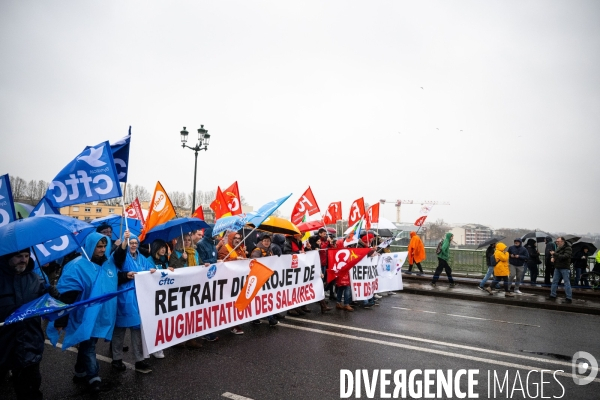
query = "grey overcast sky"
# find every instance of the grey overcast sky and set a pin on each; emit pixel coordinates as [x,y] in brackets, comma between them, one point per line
[493,106]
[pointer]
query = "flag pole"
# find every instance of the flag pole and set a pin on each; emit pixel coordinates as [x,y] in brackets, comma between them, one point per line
[123,204]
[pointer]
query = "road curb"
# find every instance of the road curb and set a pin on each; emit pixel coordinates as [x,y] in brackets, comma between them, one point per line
[555,306]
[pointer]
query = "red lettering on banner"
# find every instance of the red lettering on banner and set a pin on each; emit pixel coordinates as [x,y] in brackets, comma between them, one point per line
[189,323]
[222,316]
[207,319]
[160,334]
[169,334]
[198,320]
[179,326]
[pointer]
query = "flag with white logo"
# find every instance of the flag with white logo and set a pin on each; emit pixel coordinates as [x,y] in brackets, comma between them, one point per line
[91,176]
[44,207]
[306,204]
[7,207]
[120,152]
[259,274]
[357,211]
[341,261]
[161,210]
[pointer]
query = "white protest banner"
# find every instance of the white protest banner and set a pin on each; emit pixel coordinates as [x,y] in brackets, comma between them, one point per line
[377,274]
[388,271]
[191,302]
[363,278]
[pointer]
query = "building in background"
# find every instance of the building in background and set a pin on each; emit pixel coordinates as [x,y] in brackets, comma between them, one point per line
[471,234]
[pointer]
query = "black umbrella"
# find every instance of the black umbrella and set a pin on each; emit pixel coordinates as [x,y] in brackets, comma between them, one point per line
[539,236]
[572,238]
[579,246]
[490,241]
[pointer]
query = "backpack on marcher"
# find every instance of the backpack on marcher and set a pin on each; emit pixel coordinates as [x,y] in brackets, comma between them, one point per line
[438,249]
[493,261]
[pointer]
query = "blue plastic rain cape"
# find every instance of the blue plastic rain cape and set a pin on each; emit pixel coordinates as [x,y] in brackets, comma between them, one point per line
[128,311]
[92,280]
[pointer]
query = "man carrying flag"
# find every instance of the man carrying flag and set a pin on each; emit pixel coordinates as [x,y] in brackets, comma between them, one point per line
[82,279]
[22,342]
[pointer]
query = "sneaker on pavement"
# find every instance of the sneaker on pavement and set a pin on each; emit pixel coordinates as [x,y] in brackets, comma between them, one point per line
[569,301]
[211,337]
[481,288]
[488,289]
[255,322]
[273,322]
[453,284]
[377,296]
[159,354]
[143,367]
[391,293]
[508,294]
[237,331]
[432,284]
[517,291]
[118,365]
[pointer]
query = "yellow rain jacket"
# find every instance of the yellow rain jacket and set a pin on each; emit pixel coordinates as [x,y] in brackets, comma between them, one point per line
[501,268]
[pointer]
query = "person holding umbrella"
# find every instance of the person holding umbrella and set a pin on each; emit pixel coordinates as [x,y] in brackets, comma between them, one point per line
[22,342]
[549,265]
[562,262]
[580,264]
[534,260]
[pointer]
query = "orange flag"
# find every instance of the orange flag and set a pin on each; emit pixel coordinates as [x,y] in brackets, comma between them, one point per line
[372,215]
[232,197]
[161,210]
[259,274]
[219,205]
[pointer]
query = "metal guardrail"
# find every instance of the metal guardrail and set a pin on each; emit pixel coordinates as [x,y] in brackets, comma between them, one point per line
[468,262]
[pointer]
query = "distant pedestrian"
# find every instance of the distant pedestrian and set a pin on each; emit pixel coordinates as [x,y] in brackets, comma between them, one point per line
[533,261]
[416,253]
[489,253]
[501,270]
[517,258]
[443,257]
[580,264]
[548,265]
[562,262]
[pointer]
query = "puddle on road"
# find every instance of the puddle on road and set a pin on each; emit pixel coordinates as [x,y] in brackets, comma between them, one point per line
[553,355]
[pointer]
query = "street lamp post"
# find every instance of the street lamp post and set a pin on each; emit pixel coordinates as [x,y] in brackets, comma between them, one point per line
[203,140]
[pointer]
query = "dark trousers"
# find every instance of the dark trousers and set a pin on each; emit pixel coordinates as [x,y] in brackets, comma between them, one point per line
[548,274]
[442,265]
[27,381]
[533,273]
[418,266]
[497,280]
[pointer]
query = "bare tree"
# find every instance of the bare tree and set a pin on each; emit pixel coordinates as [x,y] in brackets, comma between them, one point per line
[18,186]
[34,191]
[179,199]
[138,191]
[203,197]
[436,230]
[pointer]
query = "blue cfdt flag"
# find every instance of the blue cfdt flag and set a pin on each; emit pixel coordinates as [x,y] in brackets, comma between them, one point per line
[120,152]
[257,217]
[7,207]
[91,176]
[54,249]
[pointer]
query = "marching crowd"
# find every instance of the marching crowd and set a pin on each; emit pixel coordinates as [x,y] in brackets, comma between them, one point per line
[105,267]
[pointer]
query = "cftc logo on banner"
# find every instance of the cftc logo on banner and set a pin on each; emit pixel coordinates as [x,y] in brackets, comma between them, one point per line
[91,176]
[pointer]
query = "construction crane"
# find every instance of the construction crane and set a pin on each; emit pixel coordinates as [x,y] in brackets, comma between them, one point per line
[400,202]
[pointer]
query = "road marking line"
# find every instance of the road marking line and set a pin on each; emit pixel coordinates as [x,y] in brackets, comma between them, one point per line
[425,350]
[235,396]
[467,316]
[98,356]
[435,342]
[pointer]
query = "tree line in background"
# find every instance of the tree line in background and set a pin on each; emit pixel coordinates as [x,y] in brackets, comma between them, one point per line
[32,192]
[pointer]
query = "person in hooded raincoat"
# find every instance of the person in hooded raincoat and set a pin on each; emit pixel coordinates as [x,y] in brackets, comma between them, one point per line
[22,343]
[416,252]
[501,269]
[443,258]
[128,259]
[84,278]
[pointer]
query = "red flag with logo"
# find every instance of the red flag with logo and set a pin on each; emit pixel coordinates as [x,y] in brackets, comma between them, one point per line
[233,199]
[372,216]
[357,210]
[219,205]
[342,260]
[259,274]
[134,210]
[421,220]
[199,213]
[333,213]
[306,204]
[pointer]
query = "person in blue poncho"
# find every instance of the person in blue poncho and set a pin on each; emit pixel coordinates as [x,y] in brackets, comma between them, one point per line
[90,275]
[128,259]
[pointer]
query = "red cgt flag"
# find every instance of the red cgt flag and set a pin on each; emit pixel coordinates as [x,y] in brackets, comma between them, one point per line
[199,213]
[134,210]
[306,204]
[342,260]
[372,216]
[219,205]
[333,214]
[233,199]
[421,220]
[357,210]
